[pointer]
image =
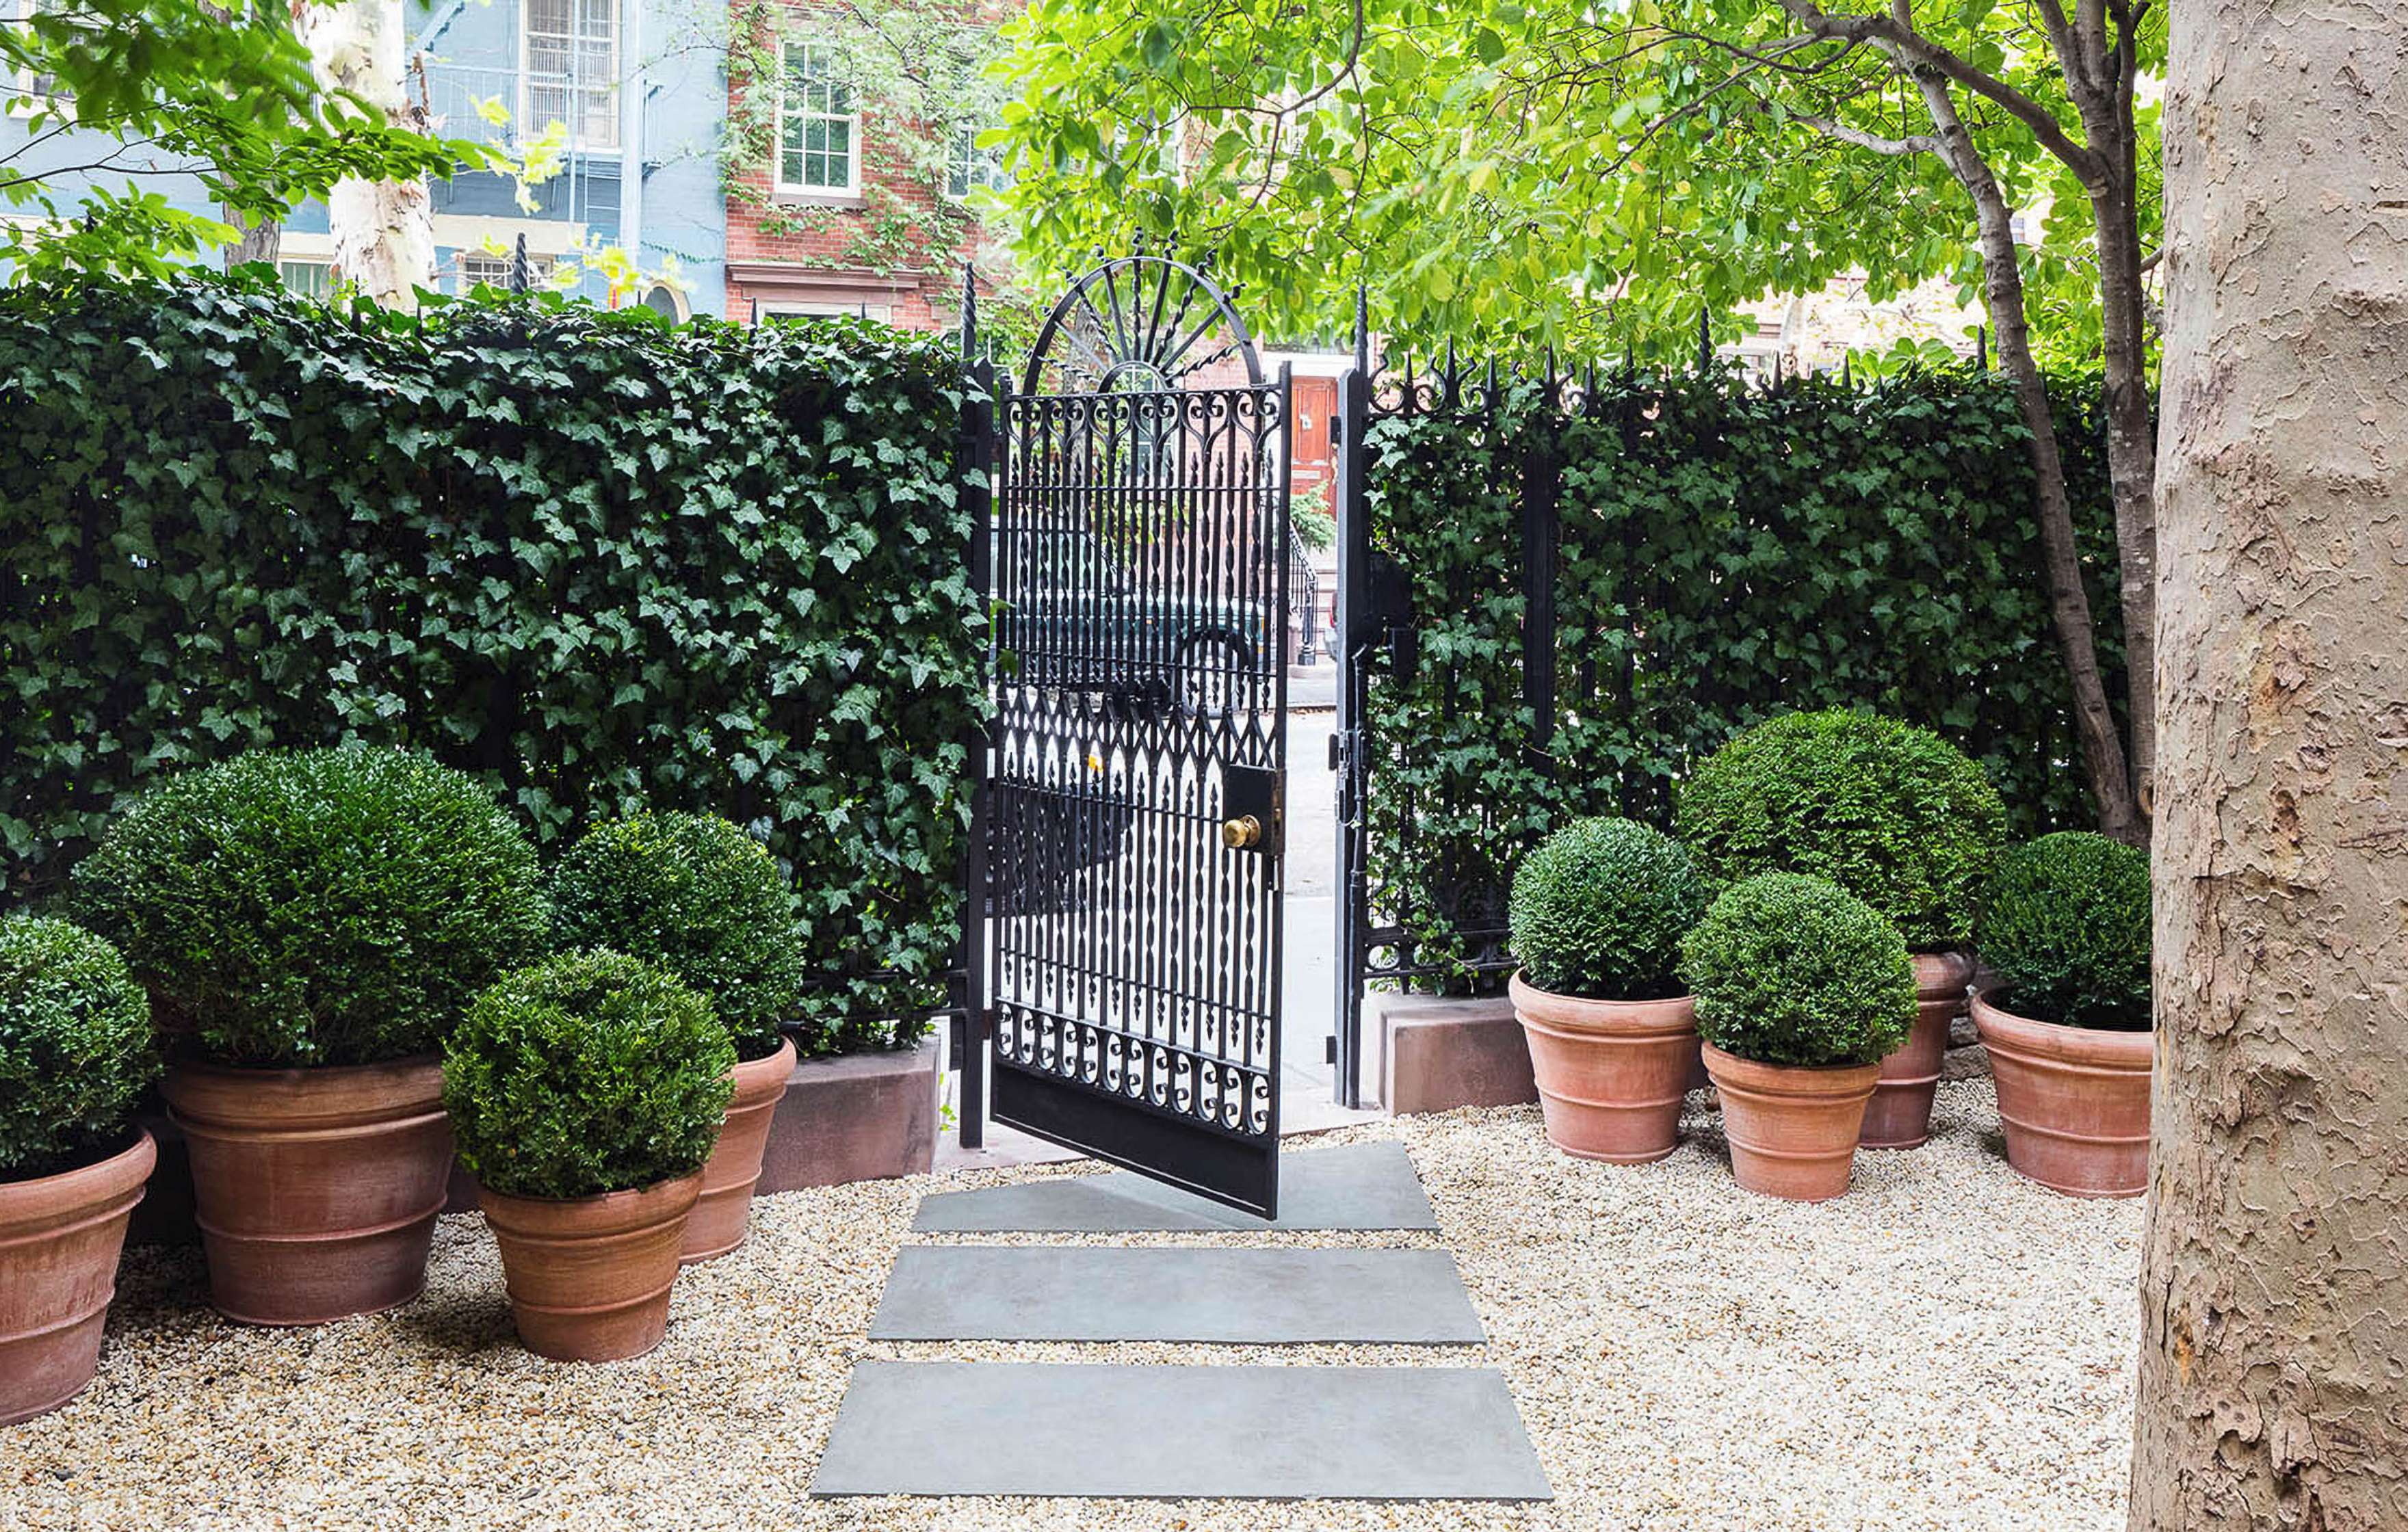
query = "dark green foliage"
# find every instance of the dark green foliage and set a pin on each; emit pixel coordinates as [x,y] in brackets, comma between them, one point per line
[1599,910]
[588,1072]
[601,563]
[1724,555]
[2067,928]
[76,1045]
[1894,814]
[1789,968]
[321,907]
[693,894]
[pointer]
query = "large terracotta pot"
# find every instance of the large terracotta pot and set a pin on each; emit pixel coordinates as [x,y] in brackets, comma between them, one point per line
[60,1238]
[1900,1114]
[589,1277]
[316,1190]
[1611,1073]
[720,1214]
[1792,1130]
[2075,1102]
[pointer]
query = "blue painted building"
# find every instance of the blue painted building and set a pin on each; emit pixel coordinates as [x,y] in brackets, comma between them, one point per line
[641,88]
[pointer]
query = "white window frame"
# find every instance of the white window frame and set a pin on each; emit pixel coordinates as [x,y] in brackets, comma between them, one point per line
[29,92]
[322,286]
[787,111]
[495,271]
[968,167]
[577,89]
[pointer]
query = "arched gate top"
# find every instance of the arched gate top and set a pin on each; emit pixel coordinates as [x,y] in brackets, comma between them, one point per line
[1141,324]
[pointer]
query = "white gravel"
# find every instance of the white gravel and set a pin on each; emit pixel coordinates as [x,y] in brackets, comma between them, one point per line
[1946,1347]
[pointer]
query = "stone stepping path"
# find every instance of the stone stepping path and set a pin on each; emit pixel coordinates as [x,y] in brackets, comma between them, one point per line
[1410,1297]
[1166,1431]
[1180,1432]
[1352,1187]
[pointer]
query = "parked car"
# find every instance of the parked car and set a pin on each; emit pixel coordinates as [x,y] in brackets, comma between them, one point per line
[1078,617]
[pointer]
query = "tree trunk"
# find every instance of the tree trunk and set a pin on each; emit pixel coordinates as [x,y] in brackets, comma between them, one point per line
[2274,1295]
[260,241]
[2131,459]
[2068,602]
[384,231]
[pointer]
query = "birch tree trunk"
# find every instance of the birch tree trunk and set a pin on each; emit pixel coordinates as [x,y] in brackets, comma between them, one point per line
[384,231]
[2274,1387]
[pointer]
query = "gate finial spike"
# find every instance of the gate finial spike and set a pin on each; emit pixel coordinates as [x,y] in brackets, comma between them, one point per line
[969,313]
[1362,327]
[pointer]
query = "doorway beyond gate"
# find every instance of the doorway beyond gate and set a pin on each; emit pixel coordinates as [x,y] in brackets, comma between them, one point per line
[1136,556]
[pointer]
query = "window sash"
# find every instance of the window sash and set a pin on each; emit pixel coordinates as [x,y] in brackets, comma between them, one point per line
[568,56]
[819,129]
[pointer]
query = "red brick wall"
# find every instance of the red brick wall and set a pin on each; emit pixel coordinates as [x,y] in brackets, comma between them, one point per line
[920,289]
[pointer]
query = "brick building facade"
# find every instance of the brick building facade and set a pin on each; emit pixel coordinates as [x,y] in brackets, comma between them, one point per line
[842,214]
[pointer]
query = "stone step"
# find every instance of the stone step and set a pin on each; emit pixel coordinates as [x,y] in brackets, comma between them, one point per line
[1180,1432]
[1348,1187]
[1245,1296]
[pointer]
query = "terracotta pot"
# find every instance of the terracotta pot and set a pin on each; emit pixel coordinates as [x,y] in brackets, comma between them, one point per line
[2075,1102]
[720,1215]
[1611,1073]
[60,1238]
[589,1277]
[1900,1114]
[316,1190]
[1792,1130]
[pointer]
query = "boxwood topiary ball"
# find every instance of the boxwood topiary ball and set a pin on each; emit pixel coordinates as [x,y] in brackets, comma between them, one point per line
[1789,968]
[1892,813]
[697,896]
[76,1046]
[2067,927]
[586,1073]
[318,907]
[1599,910]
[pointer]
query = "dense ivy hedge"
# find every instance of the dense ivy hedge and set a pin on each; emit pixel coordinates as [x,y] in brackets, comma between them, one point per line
[598,561]
[1727,553]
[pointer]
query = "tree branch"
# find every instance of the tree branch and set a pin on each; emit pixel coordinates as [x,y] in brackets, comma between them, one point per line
[1905,44]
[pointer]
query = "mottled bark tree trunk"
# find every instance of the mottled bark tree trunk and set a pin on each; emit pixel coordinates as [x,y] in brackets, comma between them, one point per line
[2273,1389]
[384,231]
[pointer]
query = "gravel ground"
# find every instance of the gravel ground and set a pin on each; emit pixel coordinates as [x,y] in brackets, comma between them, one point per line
[1947,1347]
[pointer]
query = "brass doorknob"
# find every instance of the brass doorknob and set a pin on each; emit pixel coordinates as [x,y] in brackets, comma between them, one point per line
[1241,833]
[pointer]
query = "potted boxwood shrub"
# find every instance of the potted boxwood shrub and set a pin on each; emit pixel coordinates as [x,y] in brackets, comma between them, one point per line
[587,1092]
[309,924]
[1802,990]
[1598,913]
[1892,813]
[697,897]
[2068,1026]
[76,1052]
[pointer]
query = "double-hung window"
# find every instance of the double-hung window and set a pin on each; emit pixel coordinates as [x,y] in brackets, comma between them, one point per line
[819,127]
[968,166]
[571,70]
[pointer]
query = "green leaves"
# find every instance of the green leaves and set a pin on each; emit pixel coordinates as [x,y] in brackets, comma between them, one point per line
[532,594]
[76,1046]
[226,90]
[1790,969]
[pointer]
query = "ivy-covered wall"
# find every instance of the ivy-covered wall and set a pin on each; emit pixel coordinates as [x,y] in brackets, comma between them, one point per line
[1726,552]
[599,561]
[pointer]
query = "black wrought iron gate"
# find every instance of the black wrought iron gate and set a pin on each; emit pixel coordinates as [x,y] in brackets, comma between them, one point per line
[1138,560]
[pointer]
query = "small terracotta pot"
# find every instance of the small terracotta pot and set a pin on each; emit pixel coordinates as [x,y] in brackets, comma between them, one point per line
[1900,1114]
[60,1238]
[589,1277]
[2075,1102]
[1792,1130]
[316,1190]
[721,1216]
[1611,1073]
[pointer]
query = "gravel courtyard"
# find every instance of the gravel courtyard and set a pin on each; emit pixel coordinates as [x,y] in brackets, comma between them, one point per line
[1947,1347]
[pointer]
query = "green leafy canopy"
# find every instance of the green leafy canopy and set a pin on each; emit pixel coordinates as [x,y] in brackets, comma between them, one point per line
[108,92]
[1554,171]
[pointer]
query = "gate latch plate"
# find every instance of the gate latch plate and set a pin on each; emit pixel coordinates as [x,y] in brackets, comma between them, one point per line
[1254,791]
